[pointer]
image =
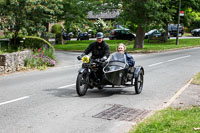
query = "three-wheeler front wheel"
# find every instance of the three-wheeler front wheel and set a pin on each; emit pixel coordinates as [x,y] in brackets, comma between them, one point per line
[81,85]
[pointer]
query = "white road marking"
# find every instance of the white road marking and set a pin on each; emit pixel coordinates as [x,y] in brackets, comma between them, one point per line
[70,66]
[14,100]
[155,64]
[66,86]
[179,58]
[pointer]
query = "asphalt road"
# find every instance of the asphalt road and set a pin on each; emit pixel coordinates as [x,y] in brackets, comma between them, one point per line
[46,101]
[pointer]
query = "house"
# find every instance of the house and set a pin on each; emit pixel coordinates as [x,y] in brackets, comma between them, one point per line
[106,16]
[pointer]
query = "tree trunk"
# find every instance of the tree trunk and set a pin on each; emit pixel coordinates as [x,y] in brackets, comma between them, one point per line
[15,38]
[166,32]
[139,41]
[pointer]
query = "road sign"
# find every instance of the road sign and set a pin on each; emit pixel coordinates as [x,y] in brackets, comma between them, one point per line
[181,13]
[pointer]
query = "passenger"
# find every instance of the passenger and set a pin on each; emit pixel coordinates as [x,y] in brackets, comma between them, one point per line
[121,49]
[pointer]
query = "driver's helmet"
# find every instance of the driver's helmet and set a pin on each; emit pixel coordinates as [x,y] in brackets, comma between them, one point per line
[99,35]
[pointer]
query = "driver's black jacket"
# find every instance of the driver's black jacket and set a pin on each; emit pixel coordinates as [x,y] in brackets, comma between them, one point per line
[98,50]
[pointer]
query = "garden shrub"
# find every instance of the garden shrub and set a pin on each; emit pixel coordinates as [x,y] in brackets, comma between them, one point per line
[194,25]
[42,55]
[41,59]
[33,42]
[57,29]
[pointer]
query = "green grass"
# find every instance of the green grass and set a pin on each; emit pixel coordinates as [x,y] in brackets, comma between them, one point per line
[2,37]
[196,79]
[171,121]
[82,45]
[187,34]
[152,46]
[1,52]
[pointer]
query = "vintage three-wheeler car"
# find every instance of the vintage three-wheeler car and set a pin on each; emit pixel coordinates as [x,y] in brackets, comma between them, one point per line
[115,72]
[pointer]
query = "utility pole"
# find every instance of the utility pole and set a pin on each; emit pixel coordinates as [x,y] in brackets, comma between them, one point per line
[177,35]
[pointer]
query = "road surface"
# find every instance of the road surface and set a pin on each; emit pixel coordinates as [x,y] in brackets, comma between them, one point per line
[46,101]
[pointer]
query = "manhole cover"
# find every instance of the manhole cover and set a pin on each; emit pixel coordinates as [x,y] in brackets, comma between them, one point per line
[118,112]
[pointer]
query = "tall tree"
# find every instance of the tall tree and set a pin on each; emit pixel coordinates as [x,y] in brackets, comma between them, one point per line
[75,12]
[27,15]
[137,12]
[169,9]
[141,13]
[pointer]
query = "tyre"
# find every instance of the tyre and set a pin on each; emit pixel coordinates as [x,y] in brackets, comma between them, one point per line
[100,87]
[81,85]
[139,82]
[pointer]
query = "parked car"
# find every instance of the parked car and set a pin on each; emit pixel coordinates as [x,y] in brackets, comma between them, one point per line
[90,33]
[65,35]
[121,34]
[155,33]
[83,36]
[172,29]
[195,32]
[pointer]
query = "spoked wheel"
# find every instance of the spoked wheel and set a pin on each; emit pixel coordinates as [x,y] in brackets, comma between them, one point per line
[139,82]
[81,85]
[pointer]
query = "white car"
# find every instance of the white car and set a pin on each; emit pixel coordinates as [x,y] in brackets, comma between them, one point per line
[195,32]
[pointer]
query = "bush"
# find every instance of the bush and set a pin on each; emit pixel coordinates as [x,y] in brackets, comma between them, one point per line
[195,24]
[57,29]
[41,59]
[33,42]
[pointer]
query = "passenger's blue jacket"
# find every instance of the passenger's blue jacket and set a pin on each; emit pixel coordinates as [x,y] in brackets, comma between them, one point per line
[130,60]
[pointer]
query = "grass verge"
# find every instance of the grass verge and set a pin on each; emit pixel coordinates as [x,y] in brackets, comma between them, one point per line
[196,79]
[152,46]
[171,121]
[82,45]
[187,34]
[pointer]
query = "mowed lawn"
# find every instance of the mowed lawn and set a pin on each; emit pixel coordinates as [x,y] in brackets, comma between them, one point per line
[152,46]
[171,120]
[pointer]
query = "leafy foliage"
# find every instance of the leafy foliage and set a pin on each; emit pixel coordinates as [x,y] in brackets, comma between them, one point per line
[57,29]
[33,42]
[75,13]
[41,59]
[29,17]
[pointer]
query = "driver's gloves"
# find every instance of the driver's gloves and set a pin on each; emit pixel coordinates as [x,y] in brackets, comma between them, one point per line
[80,56]
[103,58]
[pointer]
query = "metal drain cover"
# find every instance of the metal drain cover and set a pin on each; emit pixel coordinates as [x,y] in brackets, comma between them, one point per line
[118,112]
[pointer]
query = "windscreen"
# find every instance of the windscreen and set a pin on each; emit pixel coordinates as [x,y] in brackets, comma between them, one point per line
[117,61]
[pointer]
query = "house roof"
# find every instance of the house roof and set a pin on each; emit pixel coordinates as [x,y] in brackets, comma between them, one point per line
[103,15]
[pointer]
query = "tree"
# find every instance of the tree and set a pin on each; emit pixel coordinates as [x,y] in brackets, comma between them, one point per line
[27,16]
[169,9]
[75,12]
[142,13]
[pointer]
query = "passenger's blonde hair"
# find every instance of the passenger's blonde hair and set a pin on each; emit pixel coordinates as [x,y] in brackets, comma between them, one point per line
[121,44]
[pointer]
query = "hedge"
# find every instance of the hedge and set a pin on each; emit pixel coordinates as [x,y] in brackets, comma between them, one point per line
[35,42]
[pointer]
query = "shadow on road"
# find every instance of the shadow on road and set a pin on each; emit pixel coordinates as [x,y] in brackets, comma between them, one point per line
[91,93]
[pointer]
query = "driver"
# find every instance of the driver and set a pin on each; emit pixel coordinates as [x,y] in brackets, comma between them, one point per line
[99,49]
